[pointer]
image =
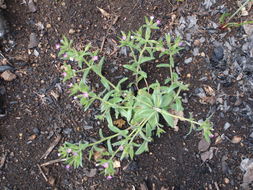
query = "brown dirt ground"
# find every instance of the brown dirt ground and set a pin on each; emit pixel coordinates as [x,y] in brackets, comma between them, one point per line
[173,162]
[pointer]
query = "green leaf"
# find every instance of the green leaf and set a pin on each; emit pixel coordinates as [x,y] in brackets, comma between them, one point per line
[159,131]
[148,139]
[167,99]
[88,104]
[105,83]
[163,65]
[169,119]
[171,88]
[153,121]
[83,101]
[74,89]
[130,67]
[148,130]
[131,151]
[156,97]
[109,146]
[113,128]
[142,148]
[121,81]
[145,59]
[142,114]
[144,98]
[101,134]
[69,72]
[178,105]
[91,152]
[171,61]
[143,74]
[118,143]
[115,100]
[126,113]
[87,47]
[85,74]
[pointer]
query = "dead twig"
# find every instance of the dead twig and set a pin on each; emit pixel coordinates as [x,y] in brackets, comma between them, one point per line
[216,186]
[42,173]
[103,42]
[53,162]
[3,159]
[51,147]
[116,18]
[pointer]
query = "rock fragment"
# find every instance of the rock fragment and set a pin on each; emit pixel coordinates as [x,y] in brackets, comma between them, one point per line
[203,145]
[91,173]
[236,139]
[31,6]
[8,76]
[247,166]
[4,28]
[33,41]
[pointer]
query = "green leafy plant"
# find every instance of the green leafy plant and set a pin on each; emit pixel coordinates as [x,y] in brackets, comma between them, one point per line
[145,112]
[225,18]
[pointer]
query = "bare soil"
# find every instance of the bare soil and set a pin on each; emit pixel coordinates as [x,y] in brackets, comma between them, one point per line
[34,116]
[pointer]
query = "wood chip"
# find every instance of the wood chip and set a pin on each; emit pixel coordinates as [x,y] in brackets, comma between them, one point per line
[32,137]
[208,100]
[144,186]
[51,180]
[218,140]
[119,122]
[53,162]
[116,164]
[236,139]
[98,155]
[51,147]
[42,172]
[104,13]
[209,91]
[2,160]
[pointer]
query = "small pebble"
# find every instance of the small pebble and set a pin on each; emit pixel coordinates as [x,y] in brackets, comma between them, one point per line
[67,131]
[202,54]
[72,31]
[236,139]
[196,42]
[33,41]
[36,131]
[31,6]
[48,25]
[188,60]
[8,76]
[32,137]
[218,53]
[226,180]
[226,126]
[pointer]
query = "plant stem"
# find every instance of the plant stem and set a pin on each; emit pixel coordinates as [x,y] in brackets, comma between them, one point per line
[112,85]
[106,102]
[138,66]
[100,75]
[104,139]
[237,11]
[171,71]
[176,116]
[135,132]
